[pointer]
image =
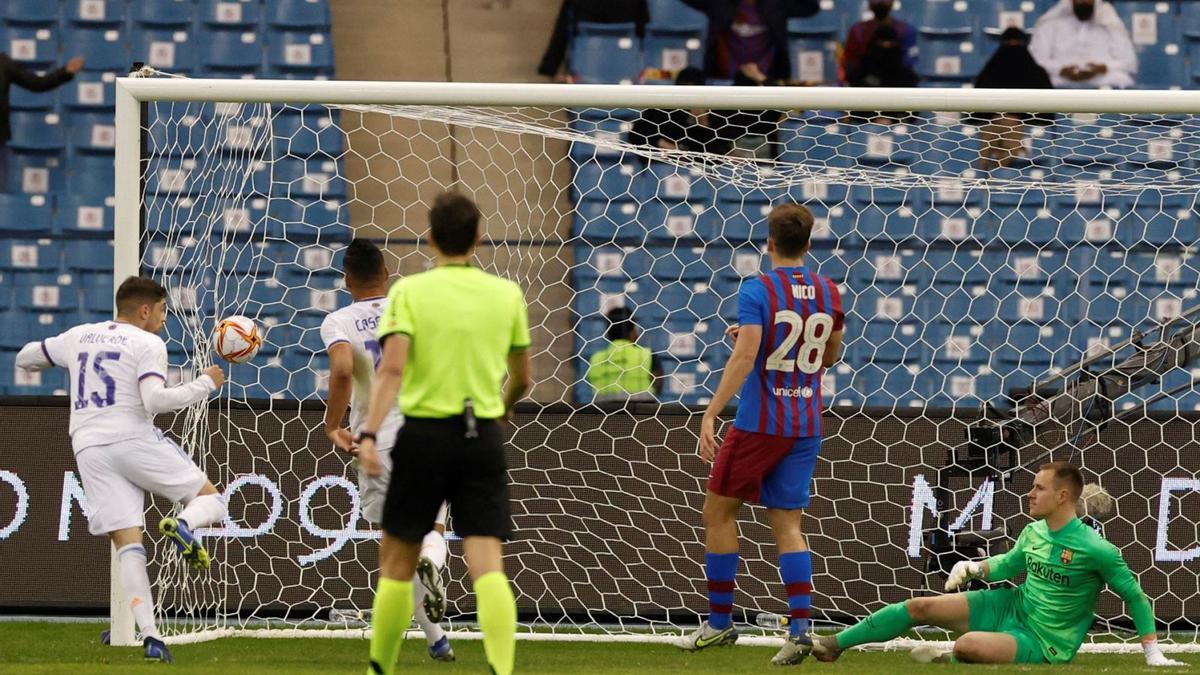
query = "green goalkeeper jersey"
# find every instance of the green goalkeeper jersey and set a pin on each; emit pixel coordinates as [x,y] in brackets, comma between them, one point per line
[1064,573]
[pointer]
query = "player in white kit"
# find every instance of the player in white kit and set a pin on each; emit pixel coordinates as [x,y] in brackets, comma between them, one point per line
[117,385]
[350,339]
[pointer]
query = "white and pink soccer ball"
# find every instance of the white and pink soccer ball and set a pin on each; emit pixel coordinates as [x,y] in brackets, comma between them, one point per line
[237,339]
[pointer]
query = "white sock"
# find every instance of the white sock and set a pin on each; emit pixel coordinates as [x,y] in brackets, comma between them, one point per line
[433,546]
[204,510]
[433,631]
[137,587]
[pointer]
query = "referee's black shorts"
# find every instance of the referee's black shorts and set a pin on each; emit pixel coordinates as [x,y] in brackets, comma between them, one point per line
[433,461]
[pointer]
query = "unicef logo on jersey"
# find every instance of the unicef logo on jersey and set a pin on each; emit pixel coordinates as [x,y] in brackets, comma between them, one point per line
[797,392]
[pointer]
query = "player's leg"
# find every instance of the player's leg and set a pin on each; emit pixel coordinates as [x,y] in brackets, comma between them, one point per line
[413,496]
[482,516]
[785,493]
[951,612]
[429,591]
[116,508]
[985,647]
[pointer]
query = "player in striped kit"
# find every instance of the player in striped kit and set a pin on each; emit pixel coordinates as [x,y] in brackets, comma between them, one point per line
[354,352]
[790,329]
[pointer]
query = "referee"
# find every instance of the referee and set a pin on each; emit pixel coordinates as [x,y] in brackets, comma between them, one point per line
[449,335]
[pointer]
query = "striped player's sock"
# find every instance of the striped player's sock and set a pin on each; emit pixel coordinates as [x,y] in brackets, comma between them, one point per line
[795,568]
[721,569]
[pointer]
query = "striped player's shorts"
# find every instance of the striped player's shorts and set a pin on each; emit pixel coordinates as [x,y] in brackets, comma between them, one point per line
[774,471]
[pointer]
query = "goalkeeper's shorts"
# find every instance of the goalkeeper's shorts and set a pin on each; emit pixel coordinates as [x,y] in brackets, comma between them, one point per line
[774,471]
[994,610]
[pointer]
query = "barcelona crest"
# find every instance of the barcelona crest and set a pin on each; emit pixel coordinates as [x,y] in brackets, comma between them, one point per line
[1066,556]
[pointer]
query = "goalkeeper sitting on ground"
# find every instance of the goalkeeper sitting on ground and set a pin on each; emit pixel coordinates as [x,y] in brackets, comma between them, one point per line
[1043,620]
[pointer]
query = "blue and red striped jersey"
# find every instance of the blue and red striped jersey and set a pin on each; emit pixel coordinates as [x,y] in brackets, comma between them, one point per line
[798,311]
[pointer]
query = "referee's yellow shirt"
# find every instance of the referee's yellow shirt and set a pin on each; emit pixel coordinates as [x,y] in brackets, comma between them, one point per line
[463,322]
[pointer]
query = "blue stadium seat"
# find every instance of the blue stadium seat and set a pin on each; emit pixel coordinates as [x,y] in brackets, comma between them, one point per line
[37,132]
[606,60]
[953,149]
[91,91]
[738,263]
[17,382]
[240,217]
[956,215]
[894,343]
[292,52]
[307,133]
[294,14]
[92,133]
[227,14]
[879,145]
[674,13]
[958,267]
[1004,14]
[23,99]
[885,214]
[30,255]
[609,267]
[958,386]
[169,49]
[1025,350]
[739,224]
[887,269]
[26,215]
[830,20]
[817,192]
[813,57]
[679,263]
[673,48]
[888,385]
[93,13]
[91,177]
[31,12]
[602,222]
[315,178]
[308,219]
[82,215]
[603,180]
[689,383]
[606,131]
[950,58]
[241,258]
[104,48]
[85,255]
[947,17]
[35,173]
[33,46]
[164,12]
[673,221]
[1161,219]
[954,345]
[670,183]
[974,305]
[38,293]
[231,53]
[815,138]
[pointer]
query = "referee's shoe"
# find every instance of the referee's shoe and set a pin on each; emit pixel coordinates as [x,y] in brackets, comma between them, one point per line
[435,590]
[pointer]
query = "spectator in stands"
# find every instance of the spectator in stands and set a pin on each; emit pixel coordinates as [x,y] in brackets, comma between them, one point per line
[624,371]
[1083,44]
[11,73]
[590,11]
[1012,67]
[750,133]
[690,130]
[859,38]
[883,63]
[750,36]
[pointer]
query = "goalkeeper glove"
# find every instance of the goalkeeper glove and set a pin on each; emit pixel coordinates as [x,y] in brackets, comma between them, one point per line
[962,572]
[1155,656]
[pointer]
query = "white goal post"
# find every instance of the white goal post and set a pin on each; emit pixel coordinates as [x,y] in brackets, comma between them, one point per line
[656,592]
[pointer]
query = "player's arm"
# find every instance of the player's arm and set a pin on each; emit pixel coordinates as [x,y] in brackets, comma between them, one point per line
[157,397]
[341,384]
[35,356]
[395,336]
[737,369]
[833,349]
[996,568]
[1116,573]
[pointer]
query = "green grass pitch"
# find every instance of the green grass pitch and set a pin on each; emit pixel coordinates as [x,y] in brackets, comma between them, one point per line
[42,648]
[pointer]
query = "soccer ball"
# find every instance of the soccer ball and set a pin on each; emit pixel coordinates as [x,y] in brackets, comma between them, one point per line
[238,339]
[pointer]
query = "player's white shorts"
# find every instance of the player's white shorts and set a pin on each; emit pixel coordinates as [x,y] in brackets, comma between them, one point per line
[372,490]
[117,476]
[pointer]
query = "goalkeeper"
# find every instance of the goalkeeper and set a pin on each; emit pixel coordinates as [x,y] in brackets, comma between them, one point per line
[1043,620]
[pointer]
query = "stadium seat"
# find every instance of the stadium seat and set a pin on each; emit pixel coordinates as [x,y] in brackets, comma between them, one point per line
[82,215]
[669,222]
[597,59]
[886,342]
[85,255]
[956,214]
[954,345]
[881,145]
[308,53]
[830,20]
[91,91]
[30,255]
[164,12]
[231,53]
[308,219]
[37,132]
[18,382]
[974,305]
[169,49]
[674,13]
[307,133]
[947,17]
[888,385]
[36,293]
[93,133]
[33,46]
[35,173]
[1003,14]
[104,48]
[738,224]
[813,57]
[673,48]
[606,131]
[815,139]
[953,149]
[958,386]
[948,58]
[31,12]
[603,180]
[26,215]
[679,263]
[600,222]
[298,14]
[608,265]
[1160,220]
[888,270]
[313,178]
[91,177]
[227,14]
[45,101]
[668,183]
[883,214]
[1025,351]
[93,13]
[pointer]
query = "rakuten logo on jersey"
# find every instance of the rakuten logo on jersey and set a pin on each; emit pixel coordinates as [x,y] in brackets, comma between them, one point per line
[798,392]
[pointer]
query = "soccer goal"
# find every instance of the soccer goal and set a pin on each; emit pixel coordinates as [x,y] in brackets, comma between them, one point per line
[1018,286]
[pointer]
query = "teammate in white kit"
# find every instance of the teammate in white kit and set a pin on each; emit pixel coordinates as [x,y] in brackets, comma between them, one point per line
[117,385]
[354,352]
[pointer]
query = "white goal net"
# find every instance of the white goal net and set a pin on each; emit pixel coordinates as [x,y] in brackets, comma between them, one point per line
[978,253]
